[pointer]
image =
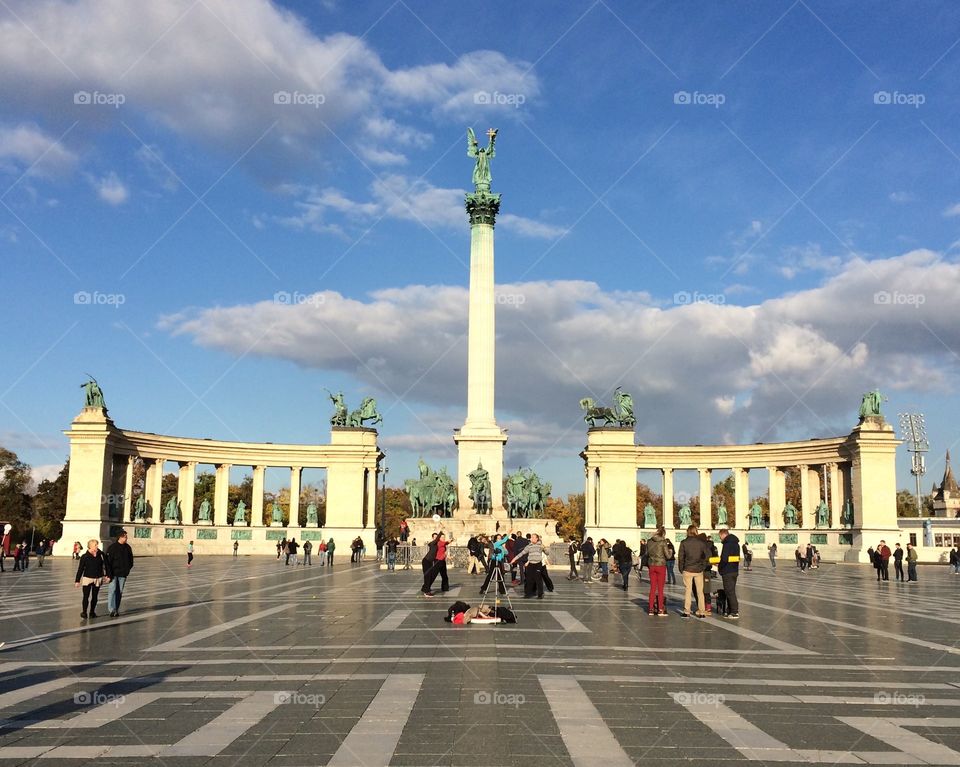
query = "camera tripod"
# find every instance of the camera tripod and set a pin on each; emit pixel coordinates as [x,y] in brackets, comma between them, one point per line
[495,583]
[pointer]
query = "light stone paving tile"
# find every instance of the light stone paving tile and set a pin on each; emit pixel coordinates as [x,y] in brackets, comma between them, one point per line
[216,735]
[197,636]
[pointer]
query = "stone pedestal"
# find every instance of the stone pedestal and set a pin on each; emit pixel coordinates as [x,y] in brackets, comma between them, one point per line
[611,502]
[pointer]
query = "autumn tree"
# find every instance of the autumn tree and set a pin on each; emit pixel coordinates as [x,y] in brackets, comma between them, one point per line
[50,505]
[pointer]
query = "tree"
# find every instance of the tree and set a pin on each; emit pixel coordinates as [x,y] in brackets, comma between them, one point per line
[569,515]
[646,495]
[724,492]
[791,481]
[204,487]
[15,506]
[906,504]
[169,485]
[236,493]
[397,508]
[50,505]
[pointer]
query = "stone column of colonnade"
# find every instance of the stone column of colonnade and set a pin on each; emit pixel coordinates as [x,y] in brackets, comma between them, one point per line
[153,488]
[706,494]
[256,507]
[294,517]
[667,491]
[739,516]
[810,495]
[186,485]
[777,496]
[836,494]
[128,490]
[221,494]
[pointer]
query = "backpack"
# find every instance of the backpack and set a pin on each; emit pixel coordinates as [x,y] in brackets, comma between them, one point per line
[456,607]
[505,614]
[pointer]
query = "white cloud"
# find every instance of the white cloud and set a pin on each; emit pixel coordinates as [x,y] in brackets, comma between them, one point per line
[382,156]
[901,197]
[28,148]
[217,71]
[400,197]
[952,211]
[806,258]
[39,473]
[699,373]
[111,189]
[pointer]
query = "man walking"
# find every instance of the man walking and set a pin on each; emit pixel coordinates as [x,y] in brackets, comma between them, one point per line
[729,570]
[587,552]
[476,555]
[293,547]
[572,550]
[236,547]
[392,546]
[912,558]
[623,556]
[119,564]
[331,547]
[692,561]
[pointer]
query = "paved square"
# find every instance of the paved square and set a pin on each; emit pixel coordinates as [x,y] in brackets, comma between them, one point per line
[248,662]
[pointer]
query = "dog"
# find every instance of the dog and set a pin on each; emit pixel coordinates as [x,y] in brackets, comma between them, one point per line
[720,599]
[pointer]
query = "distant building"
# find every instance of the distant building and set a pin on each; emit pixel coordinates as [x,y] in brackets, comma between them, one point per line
[946,495]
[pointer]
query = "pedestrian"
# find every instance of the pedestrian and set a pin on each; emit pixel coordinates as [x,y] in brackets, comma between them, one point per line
[532,558]
[898,562]
[772,553]
[912,558]
[692,561]
[17,559]
[729,570]
[41,552]
[190,554]
[236,547]
[280,545]
[884,551]
[404,531]
[286,552]
[77,549]
[955,560]
[603,559]
[331,547]
[119,557]
[322,551]
[92,573]
[587,552]
[657,566]
[671,563]
[379,539]
[641,559]
[520,542]
[474,562]
[293,549]
[392,545]
[747,557]
[713,558]
[307,548]
[809,552]
[801,559]
[623,556]
[435,563]
[24,556]
[572,550]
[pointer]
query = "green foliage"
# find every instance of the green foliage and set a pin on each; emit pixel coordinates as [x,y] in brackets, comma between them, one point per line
[646,495]
[397,508]
[50,505]
[15,503]
[203,488]
[568,514]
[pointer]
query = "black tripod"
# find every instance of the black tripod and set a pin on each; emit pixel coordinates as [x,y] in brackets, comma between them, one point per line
[496,583]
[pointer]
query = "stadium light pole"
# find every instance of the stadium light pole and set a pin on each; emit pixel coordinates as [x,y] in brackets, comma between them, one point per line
[913,431]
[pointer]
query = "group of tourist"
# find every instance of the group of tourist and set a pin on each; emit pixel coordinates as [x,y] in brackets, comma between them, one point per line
[20,554]
[807,556]
[290,551]
[880,558]
[96,569]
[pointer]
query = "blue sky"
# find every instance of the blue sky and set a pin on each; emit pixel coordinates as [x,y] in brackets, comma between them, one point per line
[744,213]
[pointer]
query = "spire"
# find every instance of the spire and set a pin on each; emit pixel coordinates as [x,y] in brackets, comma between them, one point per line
[948,486]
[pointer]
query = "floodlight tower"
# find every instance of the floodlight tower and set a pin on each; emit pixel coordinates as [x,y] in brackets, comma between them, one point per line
[913,431]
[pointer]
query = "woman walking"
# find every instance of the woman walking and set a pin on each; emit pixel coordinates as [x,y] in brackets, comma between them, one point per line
[772,553]
[671,563]
[190,554]
[92,573]
[603,557]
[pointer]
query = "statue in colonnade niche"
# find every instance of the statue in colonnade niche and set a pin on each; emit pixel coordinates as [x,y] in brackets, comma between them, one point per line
[204,514]
[790,515]
[847,517]
[276,514]
[870,405]
[171,512]
[140,509]
[649,516]
[313,520]
[756,516]
[686,516]
[721,514]
[240,515]
[823,515]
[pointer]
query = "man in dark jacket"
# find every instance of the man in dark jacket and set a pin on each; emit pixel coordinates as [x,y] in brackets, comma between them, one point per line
[729,569]
[587,552]
[692,561]
[885,553]
[119,563]
[572,551]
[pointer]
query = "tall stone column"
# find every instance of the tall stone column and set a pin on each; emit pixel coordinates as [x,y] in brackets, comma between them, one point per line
[221,494]
[295,474]
[807,502]
[706,505]
[480,440]
[667,490]
[154,489]
[186,485]
[256,504]
[741,498]
[128,490]
[371,500]
[836,494]
[777,496]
